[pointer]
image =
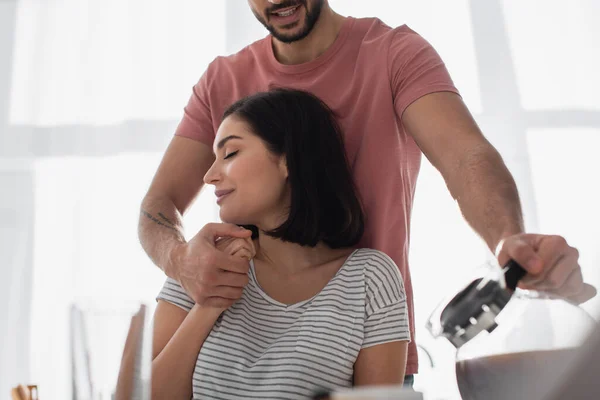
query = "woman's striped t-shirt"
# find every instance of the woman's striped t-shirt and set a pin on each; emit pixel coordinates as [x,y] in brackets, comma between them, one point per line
[260,348]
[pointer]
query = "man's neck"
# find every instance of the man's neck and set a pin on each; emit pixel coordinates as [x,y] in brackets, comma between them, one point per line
[312,46]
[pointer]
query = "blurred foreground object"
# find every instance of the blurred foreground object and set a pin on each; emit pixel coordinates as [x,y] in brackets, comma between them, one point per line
[582,381]
[388,392]
[136,362]
[22,392]
[111,351]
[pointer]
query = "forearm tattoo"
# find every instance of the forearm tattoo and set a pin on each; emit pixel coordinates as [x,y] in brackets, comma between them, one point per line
[166,223]
[165,218]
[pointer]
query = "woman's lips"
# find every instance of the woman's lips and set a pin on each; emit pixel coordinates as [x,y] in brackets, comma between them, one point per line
[221,194]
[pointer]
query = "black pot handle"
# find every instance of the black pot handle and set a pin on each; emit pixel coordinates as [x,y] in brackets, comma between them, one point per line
[514,273]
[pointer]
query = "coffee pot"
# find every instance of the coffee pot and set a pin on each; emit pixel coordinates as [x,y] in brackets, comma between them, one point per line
[510,343]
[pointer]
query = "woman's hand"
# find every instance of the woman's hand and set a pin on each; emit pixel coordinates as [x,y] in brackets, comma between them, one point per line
[241,247]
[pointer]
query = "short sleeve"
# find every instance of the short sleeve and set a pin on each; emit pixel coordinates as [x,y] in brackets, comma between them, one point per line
[386,313]
[173,293]
[416,69]
[197,123]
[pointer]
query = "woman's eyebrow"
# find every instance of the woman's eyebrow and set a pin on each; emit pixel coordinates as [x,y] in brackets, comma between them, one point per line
[225,140]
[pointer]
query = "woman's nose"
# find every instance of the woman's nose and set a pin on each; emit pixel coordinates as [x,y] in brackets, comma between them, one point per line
[212,176]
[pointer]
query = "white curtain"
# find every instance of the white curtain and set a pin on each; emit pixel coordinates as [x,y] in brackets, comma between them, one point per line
[95,91]
[96,88]
[104,62]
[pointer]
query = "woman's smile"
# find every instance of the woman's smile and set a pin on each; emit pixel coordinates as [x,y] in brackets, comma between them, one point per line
[221,194]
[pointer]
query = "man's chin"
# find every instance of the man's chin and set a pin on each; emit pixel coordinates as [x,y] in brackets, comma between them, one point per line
[290,33]
[290,36]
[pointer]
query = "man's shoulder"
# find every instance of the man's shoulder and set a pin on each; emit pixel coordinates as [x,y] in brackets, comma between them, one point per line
[374,28]
[379,36]
[245,59]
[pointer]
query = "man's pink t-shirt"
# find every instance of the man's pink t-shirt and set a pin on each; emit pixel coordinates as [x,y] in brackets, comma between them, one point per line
[368,77]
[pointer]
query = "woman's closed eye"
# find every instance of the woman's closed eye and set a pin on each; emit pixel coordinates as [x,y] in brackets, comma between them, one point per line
[233,153]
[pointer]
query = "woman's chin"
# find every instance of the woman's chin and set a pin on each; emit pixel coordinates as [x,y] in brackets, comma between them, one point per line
[233,219]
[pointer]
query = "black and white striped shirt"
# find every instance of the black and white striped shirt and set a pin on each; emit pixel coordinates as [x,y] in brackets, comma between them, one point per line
[262,349]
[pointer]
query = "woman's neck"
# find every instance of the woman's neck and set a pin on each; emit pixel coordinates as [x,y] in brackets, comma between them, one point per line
[290,259]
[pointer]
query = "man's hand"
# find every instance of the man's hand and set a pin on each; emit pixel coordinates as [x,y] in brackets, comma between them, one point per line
[552,265]
[210,276]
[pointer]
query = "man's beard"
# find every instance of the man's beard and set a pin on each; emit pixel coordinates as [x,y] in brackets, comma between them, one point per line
[312,16]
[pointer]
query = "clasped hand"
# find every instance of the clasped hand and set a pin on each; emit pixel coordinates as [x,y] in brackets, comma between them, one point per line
[213,266]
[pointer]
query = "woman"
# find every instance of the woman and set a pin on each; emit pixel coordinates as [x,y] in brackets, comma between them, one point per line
[316,313]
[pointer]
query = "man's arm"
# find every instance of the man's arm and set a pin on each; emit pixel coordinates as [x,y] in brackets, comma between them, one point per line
[487,195]
[209,276]
[176,184]
[473,170]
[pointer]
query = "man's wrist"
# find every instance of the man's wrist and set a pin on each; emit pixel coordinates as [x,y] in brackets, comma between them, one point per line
[502,238]
[171,267]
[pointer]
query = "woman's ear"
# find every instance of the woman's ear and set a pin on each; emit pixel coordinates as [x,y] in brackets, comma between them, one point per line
[283,166]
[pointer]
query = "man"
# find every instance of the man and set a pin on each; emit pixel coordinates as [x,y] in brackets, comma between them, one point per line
[394,99]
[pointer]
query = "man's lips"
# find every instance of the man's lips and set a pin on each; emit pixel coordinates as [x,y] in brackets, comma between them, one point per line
[283,10]
[289,13]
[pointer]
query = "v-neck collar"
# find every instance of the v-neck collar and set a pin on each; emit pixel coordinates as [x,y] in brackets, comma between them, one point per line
[299,304]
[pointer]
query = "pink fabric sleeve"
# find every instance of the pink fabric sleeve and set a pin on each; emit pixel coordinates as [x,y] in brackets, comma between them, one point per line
[416,69]
[197,123]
